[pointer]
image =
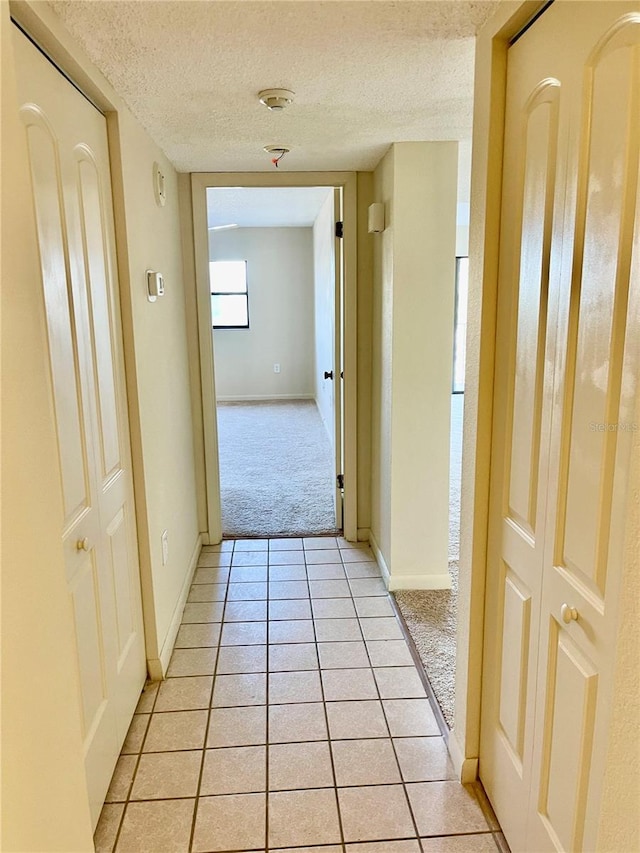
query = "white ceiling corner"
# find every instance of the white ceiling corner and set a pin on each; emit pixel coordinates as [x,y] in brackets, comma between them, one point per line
[366,73]
[265,207]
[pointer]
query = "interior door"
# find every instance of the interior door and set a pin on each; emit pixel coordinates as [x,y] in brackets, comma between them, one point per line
[67,143]
[338,360]
[566,375]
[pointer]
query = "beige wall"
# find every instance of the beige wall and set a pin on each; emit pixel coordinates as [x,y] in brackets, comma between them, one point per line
[158,381]
[44,802]
[414,276]
[44,797]
[324,289]
[280,280]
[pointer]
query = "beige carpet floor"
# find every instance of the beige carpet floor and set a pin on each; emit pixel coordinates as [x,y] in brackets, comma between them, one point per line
[276,469]
[431,615]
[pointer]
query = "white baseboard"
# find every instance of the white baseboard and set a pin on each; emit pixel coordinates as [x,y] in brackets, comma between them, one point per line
[264,399]
[158,666]
[394,582]
[380,560]
[466,768]
[420,582]
[364,534]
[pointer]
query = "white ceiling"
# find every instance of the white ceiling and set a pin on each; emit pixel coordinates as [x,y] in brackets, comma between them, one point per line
[265,207]
[366,73]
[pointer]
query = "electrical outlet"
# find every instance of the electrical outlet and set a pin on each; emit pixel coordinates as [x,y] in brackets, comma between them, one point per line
[276,368]
[165,547]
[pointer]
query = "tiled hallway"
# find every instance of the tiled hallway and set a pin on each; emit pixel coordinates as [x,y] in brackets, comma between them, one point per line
[293,717]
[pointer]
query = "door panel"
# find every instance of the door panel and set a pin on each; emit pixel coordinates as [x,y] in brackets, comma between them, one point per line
[338,360]
[68,150]
[559,489]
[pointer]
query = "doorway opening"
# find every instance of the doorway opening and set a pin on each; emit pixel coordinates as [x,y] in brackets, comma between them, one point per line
[276,290]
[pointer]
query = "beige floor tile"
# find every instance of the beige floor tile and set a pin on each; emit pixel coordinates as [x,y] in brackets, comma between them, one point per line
[365,762]
[383,628]
[285,558]
[248,574]
[122,779]
[176,730]
[410,718]
[135,735]
[321,572]
[147,697]
[291,657]
[399,682]
[342,684]
[357,555]
[235,822]
[296,572]
[249,558]
[362,570]
[185,694]
[423,759]
[284,544]
[293,687]
[235,770]
[319,543]
[290,609]
[412,846]
[104,837]
[238,726]
[167,775]
[198,636]
[366,587]
[389,653]
[444,808]
[372,607]
[202,612]
[205,592]
[460,844]
[251,545]
[332,848]
[293,766]
[356,720]
[333,608]
[192,662]
[211,576]
[334,630]
[215,559]
[302,722]
[321,555]
[342,655]
[163,826]
[233,660]
[344,543]
[375,813]
[247,592]
[245,611]
[288,589]
[329,589]
[292,631]
[244,634]
[230,690]
[303,817]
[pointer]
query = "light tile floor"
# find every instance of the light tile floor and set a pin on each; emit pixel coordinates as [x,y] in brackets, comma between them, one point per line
[292,718]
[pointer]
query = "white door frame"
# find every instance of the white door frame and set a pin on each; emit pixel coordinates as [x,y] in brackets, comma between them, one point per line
[200,182]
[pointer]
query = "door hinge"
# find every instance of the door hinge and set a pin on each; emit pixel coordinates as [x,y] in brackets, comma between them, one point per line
[340,481]
[339,229]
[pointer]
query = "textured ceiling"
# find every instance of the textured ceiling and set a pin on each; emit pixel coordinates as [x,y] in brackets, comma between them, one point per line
[366,73]
[265,207]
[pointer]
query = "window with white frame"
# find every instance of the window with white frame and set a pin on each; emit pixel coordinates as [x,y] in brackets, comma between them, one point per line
[229,294]
[460,328]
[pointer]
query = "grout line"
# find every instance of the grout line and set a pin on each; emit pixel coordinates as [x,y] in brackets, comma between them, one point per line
[267,736]
[208,723]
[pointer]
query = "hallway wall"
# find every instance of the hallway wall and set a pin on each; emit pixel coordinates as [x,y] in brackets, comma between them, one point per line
[280,284]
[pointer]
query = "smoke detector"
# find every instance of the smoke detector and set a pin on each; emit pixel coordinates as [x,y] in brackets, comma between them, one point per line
[276,99]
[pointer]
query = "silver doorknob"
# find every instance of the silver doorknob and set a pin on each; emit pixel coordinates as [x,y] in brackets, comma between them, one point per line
[83,544]
[568,614]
